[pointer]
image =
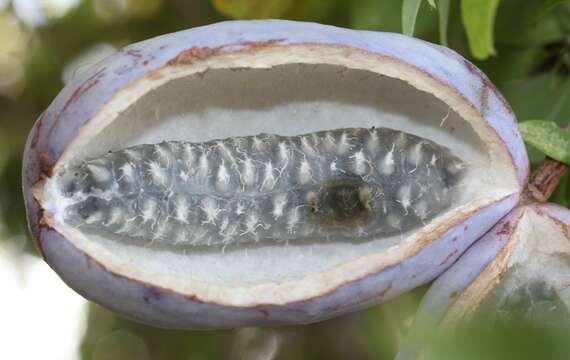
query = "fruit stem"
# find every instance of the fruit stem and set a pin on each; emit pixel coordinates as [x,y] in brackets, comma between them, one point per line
[544,180]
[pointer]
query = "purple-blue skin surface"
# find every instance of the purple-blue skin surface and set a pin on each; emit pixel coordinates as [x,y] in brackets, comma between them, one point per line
[81,100]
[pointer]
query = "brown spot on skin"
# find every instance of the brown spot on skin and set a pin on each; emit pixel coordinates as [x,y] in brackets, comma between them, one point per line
[45,167]
[505,229]
[258,44]
[453,294]
[134,52]
[42,221]
[566,230]
[145,63]
[454,239]
[484,98]
[42,224]
[487,86]
[466,228]
[82,89]
[540,211]
[194,54]
[194,298]
[202,53]
[37,131]
[449,256]
[151,293]
[385,291]
[34,213]
[263,312]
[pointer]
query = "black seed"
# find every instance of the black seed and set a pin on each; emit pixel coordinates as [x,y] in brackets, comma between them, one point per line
[339,203]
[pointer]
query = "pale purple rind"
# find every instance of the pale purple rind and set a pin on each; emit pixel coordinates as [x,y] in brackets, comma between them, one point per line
[454,281]
[85,96]
[556,212]
[165,308]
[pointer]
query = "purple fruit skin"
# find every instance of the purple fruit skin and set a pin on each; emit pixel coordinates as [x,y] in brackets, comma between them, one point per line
[451,284]
[556,212]
[79,101]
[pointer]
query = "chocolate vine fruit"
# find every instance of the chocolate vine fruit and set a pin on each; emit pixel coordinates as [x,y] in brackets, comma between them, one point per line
[268,172]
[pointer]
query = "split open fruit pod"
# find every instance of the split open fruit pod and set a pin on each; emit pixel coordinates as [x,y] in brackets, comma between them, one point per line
[519,271]
[268,172]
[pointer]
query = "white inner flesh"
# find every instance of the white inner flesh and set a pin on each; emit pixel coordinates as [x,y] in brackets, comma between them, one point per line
[542,253]
[538,252]
[287,99]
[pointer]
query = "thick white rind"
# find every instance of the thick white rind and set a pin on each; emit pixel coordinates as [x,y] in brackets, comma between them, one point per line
[79,102]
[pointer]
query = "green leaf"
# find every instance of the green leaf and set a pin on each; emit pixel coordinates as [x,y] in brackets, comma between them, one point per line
[386,15]
[528,28]
[549,6]
[315,10]
[252,9]
[532,97]
[410,9]
[547,137]
[443,11]
[478,19]
[376,15]
[432,3]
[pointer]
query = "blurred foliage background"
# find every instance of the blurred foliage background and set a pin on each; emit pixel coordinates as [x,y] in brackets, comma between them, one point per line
[523,46]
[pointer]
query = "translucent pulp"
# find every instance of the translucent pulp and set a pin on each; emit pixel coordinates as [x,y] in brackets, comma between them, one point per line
[350,184]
